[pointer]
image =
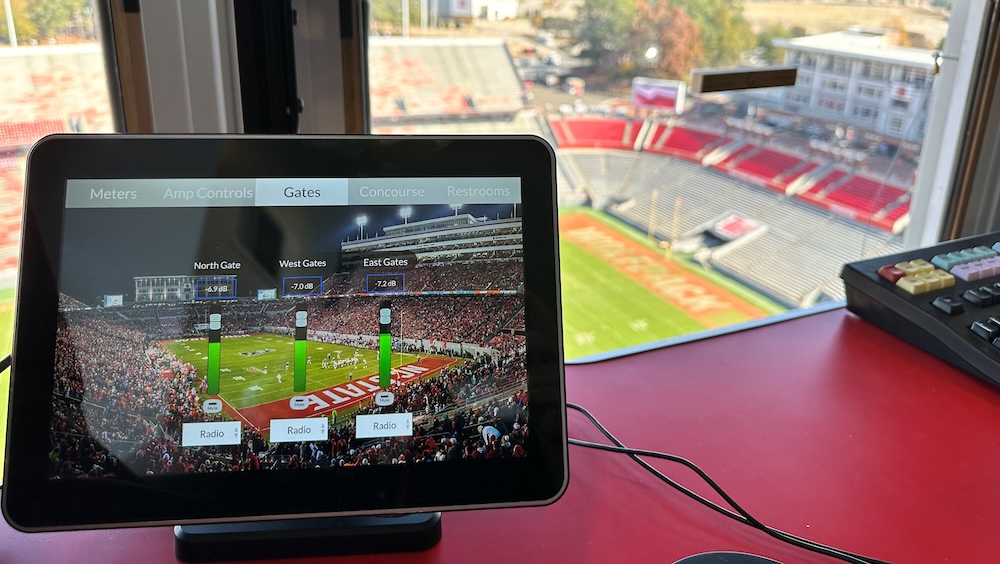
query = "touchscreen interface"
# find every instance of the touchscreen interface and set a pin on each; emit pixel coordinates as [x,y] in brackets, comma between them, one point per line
[223,325]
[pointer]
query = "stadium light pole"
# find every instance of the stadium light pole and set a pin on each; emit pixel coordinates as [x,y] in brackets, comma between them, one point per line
[405,5]
[455,207]
[405,213]
[361,221]
[11,33]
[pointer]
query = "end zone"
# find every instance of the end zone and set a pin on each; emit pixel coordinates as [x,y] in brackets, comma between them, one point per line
[340,397]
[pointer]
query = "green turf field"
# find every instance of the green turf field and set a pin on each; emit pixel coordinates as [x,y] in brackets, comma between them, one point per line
[604,309]
[244,382]
[6,333]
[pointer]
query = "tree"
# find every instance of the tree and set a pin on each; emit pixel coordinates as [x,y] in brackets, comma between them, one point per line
[725,33]
[672,33]
[604,27]
[765,43]
[49,16]
[23,25]
[388,14]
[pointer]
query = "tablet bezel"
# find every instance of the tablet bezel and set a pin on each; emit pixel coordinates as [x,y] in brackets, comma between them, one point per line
[34,502]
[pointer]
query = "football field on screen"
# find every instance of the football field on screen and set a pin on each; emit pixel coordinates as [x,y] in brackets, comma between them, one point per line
[250,366]
[619,290]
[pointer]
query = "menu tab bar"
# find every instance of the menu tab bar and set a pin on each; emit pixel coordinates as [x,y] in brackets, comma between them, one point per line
[271,192]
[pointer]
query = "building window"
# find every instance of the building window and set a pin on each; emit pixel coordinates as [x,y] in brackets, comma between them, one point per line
[876,71]
[865,112]
[868,91]
[917,77]
[832,85]
[799,98]
[833,104]
[900,104]
[896,124]
[839,65]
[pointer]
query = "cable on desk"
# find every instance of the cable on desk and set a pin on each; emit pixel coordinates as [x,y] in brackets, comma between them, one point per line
[740,514]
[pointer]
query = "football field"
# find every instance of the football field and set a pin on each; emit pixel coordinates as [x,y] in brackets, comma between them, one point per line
[620,290]
[257,369]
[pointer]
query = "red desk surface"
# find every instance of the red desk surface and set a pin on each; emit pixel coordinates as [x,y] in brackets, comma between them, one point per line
[823,426]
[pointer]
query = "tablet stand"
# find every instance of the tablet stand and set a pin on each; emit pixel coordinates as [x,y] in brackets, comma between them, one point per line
[287,538]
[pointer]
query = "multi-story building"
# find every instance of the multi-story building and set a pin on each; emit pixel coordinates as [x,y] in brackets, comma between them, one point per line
[860,77]
[154,289]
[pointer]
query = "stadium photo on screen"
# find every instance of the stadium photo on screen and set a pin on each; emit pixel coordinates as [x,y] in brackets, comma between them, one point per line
[354,336]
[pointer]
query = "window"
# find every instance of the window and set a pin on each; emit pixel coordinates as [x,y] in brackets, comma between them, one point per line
[839,65]
[53,81]
[799,98]
[638,158]
[833,104]
[833,85]
[876,71]
[865,112]
[871,92]
[896,124]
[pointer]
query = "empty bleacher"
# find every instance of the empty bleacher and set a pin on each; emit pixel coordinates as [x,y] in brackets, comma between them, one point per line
[792,261]
[765,166]
[18,134]
[799,257]
[733,158]
[609,133]
[859,198]
[436,78]
[603,173]
[683,142]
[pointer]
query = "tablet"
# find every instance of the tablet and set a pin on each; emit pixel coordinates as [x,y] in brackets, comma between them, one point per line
[238,328]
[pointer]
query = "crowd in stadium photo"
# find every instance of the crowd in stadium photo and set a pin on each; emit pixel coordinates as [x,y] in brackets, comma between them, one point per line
[468,319]
[120,398]
[500,274]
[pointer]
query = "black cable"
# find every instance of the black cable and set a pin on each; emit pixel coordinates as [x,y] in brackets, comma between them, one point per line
[4,363]
[740,515]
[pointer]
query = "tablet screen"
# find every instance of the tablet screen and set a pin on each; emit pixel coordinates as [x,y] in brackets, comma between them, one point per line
[210,325]
[353,325]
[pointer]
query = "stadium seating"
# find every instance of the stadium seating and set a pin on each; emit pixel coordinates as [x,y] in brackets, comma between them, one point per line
[19,134]
[815,193]
[728,163]
[859,198]
[801,252]
[605,172]
[864,196]
[439,78]
[608,133]
[784,182]
[765,166]
[682,142]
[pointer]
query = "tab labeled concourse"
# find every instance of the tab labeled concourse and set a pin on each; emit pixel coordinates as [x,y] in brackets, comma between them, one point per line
[447,190]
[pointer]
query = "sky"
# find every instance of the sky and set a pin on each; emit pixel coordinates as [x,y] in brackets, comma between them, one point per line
[105,248]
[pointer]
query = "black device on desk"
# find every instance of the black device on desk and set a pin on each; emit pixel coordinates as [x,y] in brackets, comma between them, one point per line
[944,299]
[234,329]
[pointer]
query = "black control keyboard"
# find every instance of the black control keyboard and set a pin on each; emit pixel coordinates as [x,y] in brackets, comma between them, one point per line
[944,299]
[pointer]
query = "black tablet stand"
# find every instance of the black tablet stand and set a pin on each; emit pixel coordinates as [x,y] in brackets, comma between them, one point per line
[288,538]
